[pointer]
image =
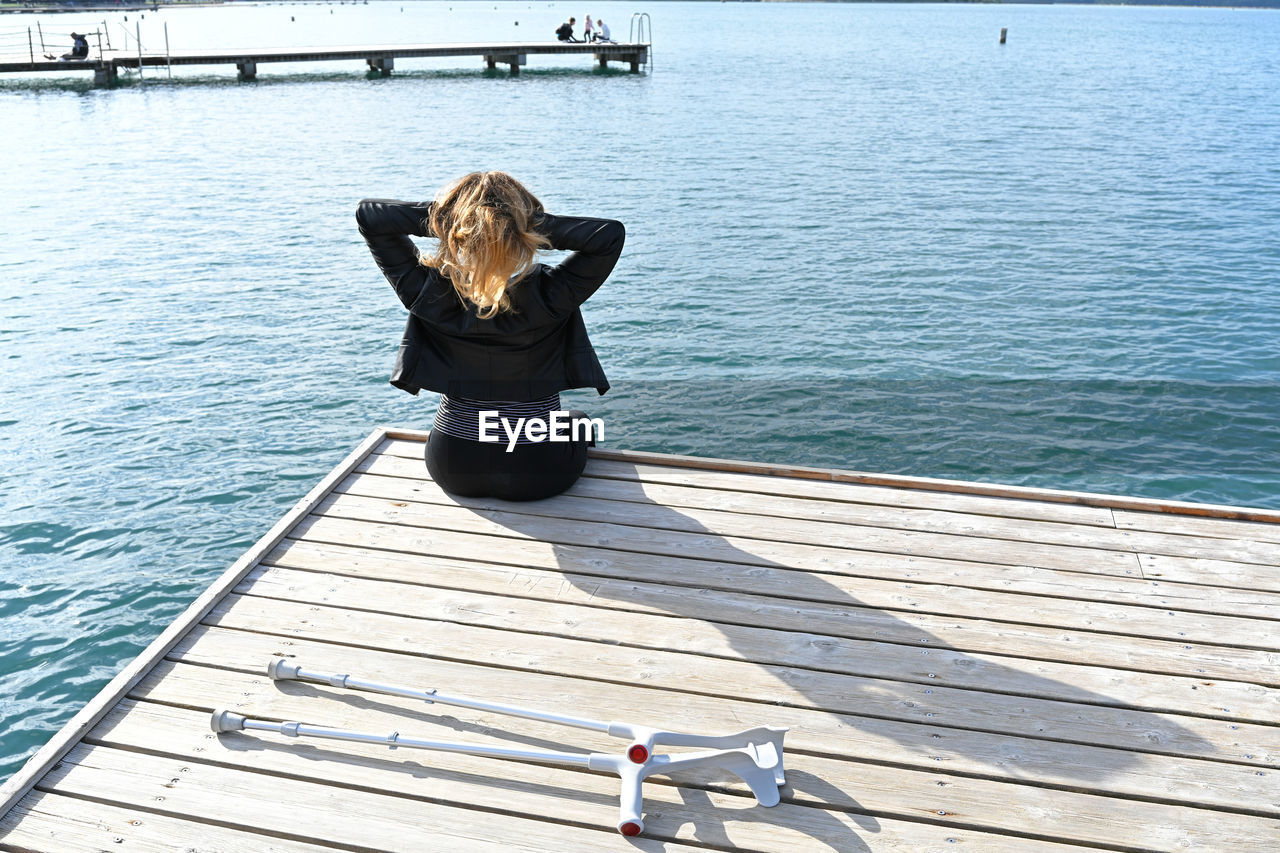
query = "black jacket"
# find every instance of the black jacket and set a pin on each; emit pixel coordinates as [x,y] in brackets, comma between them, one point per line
[539,349]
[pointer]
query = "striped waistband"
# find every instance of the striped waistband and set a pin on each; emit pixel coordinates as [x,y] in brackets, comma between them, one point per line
[460,416]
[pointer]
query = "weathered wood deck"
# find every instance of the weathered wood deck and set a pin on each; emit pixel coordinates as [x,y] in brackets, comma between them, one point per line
[963,667]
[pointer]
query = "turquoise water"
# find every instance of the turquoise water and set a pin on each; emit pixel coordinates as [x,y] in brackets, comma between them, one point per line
[859,235]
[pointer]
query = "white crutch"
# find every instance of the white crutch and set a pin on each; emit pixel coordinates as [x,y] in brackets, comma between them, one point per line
[754,755]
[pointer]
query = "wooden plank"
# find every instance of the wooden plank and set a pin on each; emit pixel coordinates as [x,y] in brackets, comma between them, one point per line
[1045,544]
[958,486]
[1183,543]
[423,496]
[852,741]
[1221,572]
[925,483]
[1098,725]
[1259,531]
[834,604]
[720,536]
[317,812]
[841,582]
[714,543]
[849,739]
[589,490]
[803,818]
[314,583]
[1134,688]
[845,492]
[853,493]
[22,781]
[52,823]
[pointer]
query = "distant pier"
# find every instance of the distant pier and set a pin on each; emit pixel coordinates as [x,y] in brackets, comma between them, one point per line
[377,58]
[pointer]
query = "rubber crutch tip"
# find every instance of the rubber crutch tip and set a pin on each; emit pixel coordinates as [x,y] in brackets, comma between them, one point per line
[226,721]
[281,670]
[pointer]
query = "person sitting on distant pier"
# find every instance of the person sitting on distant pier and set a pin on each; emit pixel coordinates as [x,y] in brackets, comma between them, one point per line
[496,333]
[602,33]
[79,48]
[565,31]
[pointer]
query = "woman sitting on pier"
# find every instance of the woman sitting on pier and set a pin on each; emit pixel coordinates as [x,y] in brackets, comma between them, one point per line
[492,330]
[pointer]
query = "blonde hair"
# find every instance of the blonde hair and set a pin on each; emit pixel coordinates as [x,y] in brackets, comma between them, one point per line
[484,224]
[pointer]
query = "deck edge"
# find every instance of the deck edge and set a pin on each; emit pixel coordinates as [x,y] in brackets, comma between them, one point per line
[899,481]
[43,759]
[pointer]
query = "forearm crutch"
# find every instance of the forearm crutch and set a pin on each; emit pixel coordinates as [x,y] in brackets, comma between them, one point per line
[754,755]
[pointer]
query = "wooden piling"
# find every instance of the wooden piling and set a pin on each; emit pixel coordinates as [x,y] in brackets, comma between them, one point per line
[1003,32]
[104,74]
[514,60]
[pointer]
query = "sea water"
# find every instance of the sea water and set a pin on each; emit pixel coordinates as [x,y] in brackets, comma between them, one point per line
[864,236]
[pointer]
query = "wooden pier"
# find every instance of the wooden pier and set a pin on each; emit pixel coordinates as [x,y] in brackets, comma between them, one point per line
[378,58]
[962,667]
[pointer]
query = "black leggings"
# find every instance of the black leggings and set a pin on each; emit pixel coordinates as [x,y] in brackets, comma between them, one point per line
[481,469]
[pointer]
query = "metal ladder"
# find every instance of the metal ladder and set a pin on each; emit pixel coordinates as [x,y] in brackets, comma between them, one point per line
[641,32]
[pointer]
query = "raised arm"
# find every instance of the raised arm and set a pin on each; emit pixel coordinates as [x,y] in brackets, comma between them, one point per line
[596,245]
[386,225]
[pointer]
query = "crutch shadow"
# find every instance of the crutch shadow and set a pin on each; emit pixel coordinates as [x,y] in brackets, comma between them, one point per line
[862,682]
[829,827]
